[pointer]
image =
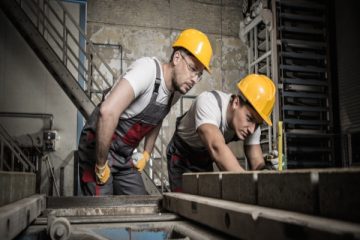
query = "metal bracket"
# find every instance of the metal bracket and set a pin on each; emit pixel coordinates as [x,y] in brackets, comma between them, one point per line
[264,16]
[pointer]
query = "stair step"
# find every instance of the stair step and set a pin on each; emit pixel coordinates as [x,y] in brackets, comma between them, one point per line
[307,149]
[304,108]
[262,69]
[307,133]
[302,68]
[308,163]
[262,46]
[303,18]
[301,30]
[300,81]
[304,88]
[304,95]
[305,122]
[303,44]
[301,4]
[262,34]
[312,56]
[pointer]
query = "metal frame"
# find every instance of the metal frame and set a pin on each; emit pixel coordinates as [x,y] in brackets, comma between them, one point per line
[260,34]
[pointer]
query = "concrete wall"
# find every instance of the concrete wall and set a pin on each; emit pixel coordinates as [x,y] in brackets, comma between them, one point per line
[27,86]
[148,28]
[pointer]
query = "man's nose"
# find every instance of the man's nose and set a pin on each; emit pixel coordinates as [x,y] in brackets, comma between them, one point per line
[252,128]
[194,80]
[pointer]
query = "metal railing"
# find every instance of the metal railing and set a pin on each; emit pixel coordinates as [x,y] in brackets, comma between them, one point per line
[258,33]
[71,44]
[157,167]
[14,159]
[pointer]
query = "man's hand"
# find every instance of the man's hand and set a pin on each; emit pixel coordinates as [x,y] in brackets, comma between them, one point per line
[102,173]
[140,160]
[271,161]
[267,166]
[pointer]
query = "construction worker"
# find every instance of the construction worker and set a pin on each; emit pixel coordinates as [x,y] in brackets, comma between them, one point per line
[216,118]
[134,109]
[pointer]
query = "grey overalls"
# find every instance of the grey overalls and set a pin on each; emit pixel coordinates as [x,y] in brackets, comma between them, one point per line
[182,158]
[124,179]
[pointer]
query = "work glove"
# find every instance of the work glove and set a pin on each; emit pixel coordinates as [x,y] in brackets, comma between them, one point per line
[140,160]
[271,161]
[268,166]
[102,173]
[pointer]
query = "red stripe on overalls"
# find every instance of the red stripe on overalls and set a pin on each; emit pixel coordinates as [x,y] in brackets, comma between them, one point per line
[88,176]
[136,133]
[178,189]
[90,137]
[175,158]
[97,190]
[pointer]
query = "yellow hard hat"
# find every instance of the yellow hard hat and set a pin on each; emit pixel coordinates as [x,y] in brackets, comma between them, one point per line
[197,43]
[259,91]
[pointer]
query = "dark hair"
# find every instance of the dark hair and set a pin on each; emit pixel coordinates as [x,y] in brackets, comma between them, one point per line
[181,49]
[241,98]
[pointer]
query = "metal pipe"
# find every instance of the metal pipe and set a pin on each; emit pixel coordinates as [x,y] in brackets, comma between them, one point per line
[29,115]
[280,146]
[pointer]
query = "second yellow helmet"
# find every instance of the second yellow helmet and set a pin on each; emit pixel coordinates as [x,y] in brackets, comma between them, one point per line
[259,91]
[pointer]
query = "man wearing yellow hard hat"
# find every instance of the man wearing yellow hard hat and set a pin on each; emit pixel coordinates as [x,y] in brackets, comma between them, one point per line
[134,109]
[216,118]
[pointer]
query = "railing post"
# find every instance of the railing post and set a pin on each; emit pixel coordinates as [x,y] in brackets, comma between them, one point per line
[43,18]
[38,15]
[64,38]
[1,155]
[89,82]
[12,161]
[161,161]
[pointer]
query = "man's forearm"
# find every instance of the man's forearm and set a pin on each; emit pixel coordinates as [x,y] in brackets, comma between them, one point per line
[214,141]
[254,156]
[225,159]
[104,132]
[151,138]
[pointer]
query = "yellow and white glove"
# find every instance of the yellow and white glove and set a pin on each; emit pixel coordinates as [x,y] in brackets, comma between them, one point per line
[140,160]
[102,173]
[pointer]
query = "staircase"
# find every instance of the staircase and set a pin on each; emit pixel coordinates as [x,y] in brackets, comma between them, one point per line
[256,31]
[287,41]
[72,59]
[305,77]
[12,158]
[63,48]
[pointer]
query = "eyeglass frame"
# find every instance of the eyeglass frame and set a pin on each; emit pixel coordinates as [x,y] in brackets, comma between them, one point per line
[192,69]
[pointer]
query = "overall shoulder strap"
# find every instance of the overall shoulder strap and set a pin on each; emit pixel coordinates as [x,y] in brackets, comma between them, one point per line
[157,79]
[218,99]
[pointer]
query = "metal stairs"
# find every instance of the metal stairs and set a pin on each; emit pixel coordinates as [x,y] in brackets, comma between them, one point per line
[305,96]
[288,41]
[45,25]
[12,158]
[71,58]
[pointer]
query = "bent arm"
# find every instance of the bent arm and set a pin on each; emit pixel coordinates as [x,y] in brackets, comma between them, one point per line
[254,156]
[150,139]
[110,110]
[214,141]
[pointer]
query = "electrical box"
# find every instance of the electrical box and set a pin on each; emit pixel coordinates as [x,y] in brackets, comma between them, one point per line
[49,137]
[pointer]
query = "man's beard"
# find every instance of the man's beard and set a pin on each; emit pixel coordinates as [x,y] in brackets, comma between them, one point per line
[176,86]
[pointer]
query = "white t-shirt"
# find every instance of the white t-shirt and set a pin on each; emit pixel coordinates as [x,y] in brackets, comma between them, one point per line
[141,75]
[205,109]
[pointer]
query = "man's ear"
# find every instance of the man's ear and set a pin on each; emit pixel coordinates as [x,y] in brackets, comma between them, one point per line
[236,102]
[176,57]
